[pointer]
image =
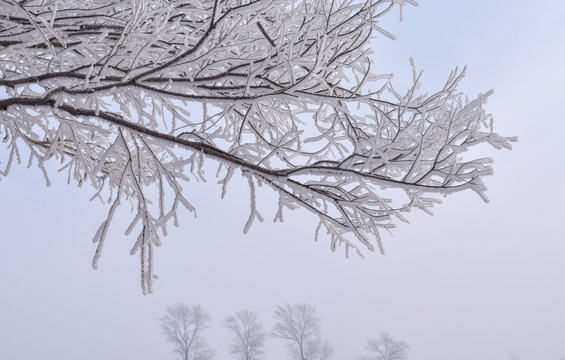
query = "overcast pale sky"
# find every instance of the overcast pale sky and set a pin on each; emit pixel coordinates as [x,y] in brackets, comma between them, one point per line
[475,281]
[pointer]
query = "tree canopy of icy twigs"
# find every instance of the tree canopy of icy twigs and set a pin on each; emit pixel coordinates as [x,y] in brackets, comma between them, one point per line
[109,89]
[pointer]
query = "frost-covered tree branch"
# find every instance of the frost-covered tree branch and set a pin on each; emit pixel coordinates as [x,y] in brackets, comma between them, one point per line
[131,97]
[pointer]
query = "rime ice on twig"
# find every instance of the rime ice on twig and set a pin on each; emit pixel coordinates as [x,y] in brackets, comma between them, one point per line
[105,88]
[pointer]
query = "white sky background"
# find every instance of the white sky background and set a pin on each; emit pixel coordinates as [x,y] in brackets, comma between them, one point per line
[475,281]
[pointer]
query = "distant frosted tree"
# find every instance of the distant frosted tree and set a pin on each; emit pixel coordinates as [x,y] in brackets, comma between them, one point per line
[133,97]
[183,326]
[248,335]
[386,348]
[299,326]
